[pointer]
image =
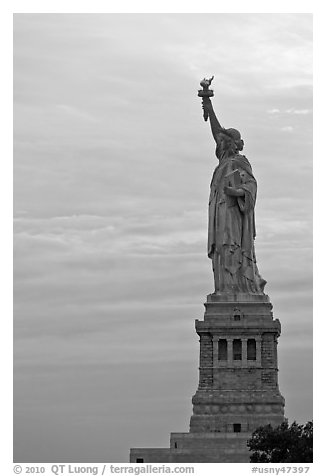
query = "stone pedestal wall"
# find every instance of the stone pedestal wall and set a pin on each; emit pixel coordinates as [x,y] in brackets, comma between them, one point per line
[242,391]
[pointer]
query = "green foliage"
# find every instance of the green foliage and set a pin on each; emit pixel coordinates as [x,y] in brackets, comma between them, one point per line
[283,444]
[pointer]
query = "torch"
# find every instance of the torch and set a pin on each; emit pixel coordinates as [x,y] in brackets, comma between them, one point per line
[205,93]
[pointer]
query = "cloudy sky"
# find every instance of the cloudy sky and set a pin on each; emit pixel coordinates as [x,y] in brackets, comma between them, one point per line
[112,165]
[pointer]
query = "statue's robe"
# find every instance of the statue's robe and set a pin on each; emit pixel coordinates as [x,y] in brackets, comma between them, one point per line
[231,230]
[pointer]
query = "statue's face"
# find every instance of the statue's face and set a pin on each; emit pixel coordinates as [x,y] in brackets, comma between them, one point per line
[240,144]
[232,141]
[229,145]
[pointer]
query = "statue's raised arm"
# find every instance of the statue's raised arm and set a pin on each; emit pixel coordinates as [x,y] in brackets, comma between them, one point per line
[228,141]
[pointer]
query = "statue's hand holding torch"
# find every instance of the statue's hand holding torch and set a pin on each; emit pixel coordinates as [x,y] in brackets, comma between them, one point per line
[205,93]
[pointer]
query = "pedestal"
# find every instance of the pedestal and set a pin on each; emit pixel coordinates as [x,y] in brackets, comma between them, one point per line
[238,382]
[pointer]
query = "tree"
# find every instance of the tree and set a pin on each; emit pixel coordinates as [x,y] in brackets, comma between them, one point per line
[283,444]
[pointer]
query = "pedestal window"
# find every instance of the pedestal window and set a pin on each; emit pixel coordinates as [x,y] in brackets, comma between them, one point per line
[251,349]
[222,349]
[237,349]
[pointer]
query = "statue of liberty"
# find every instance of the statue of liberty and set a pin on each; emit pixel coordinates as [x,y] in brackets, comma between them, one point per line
[231,218]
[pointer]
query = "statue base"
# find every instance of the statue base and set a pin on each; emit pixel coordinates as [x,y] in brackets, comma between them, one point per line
[238,383]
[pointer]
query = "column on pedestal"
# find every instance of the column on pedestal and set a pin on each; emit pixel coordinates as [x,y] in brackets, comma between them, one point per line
[230,352]
[258,350]
[206,361]
[244,350]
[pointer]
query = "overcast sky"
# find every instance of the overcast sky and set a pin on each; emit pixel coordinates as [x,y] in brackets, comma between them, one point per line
[112,165]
